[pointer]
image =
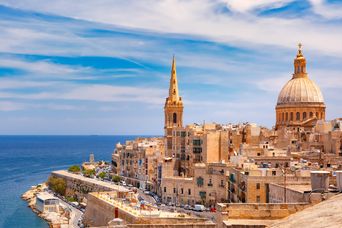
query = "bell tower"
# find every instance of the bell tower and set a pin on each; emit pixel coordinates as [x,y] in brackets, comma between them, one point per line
[173,108]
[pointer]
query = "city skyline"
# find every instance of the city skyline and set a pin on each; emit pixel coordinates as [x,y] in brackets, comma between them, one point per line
[90,69]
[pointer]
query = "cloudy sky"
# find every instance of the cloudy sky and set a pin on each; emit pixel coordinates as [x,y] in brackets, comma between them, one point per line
[103,67]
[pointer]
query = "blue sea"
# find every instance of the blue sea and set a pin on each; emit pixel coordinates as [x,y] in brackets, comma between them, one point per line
[28,160]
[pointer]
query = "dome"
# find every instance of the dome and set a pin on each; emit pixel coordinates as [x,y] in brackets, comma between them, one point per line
[300,90]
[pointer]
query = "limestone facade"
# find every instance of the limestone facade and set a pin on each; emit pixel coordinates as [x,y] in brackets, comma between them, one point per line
[208,186]
[137,161]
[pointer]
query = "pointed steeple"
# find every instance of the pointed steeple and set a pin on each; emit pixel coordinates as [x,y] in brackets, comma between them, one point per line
[299,64]
[173,90]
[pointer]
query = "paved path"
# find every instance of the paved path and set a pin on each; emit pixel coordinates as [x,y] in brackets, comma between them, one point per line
[146,197]
[75,214]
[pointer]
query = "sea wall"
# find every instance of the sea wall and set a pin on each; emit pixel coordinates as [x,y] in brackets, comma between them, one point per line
[80,186]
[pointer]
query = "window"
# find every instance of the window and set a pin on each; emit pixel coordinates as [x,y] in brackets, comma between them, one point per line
[181,190]
[297,116]
[257,185]
[291,116]
[203,195]
[164,189]
[304,115]
[210,184]
[222,184]
[174,190]
[196,142]
[287,116]
[282,117]
[197,150]
[274,173]
[189,191]
[311,114]
[174,117]
[199,181]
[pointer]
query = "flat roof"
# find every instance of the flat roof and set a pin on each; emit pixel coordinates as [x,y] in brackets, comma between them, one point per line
[46,196]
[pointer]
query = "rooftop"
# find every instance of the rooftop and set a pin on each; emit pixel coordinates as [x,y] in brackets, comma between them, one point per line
[45,196]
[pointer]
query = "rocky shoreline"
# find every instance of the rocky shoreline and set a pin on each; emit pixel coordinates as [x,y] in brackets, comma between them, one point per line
[54,219]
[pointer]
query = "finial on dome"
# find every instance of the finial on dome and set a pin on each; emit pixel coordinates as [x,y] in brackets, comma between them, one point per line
[300,50]
[300,46]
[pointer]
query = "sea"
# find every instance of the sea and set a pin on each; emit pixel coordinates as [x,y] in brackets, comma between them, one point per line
[28,160]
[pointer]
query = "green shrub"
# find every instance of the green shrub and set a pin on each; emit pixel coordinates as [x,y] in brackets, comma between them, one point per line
[116,179]
[57,185]
[102,175]
[74,169]
[89,172]
[71,199]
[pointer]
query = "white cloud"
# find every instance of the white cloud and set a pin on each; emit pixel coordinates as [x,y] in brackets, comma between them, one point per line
[95,92]
[11,106]
[248,5]
[38,67]
[199,18]
[332,11]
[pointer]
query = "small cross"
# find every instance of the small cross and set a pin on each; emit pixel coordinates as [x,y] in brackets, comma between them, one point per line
[300,46]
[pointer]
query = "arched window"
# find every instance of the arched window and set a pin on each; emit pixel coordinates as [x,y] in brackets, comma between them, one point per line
[287,116]
[291,116]
[304,115]
[311,114]
[297,116]
[174,118]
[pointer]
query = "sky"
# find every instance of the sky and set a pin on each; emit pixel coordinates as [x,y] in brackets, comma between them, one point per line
[103,67]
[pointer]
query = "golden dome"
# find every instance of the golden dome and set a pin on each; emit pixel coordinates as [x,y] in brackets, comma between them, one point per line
[300,90]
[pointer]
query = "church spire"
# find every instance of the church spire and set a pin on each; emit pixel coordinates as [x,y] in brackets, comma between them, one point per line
[299,64]
[173,90]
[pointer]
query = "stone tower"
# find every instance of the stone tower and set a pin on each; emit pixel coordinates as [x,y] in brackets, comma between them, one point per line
[173,109]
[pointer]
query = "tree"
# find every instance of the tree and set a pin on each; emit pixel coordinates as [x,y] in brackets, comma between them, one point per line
[57,185]
[89,172]
[74,169]
[116,179]
[102,175]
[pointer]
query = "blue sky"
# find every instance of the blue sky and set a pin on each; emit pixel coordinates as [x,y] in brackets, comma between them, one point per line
[103,67]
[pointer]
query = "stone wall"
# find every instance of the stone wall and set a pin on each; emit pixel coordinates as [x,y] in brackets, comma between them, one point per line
[258,211]
[99,213]
[80,186]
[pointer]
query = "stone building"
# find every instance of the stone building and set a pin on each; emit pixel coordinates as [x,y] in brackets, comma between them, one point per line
[251,185]
[137,161]
[300,102]
[207,186]
[195,143]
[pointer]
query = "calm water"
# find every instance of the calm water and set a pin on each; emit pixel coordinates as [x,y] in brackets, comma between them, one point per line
[28,160]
